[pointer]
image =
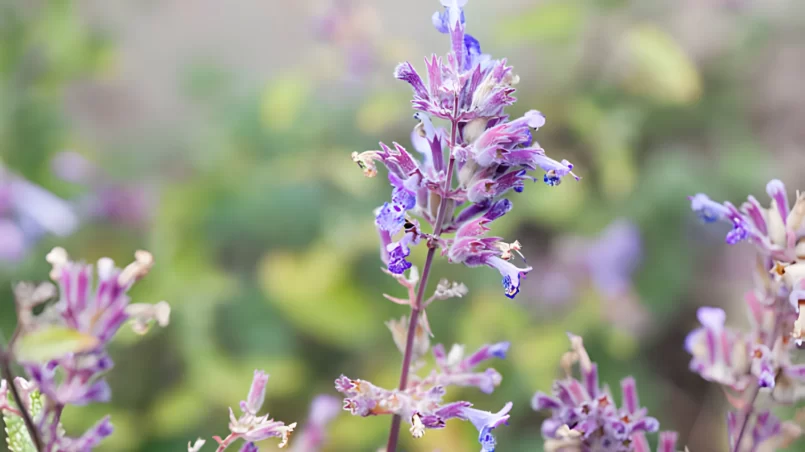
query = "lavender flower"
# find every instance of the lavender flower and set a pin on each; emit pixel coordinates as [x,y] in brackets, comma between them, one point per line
[106,200]
[323,410]
[250,426]
[488,153]
[27,212]
[606,262]
[759,360]
[584,416]
[95,312]
[421,403]
[766,433]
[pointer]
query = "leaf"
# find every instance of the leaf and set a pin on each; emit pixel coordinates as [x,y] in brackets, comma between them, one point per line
[52,342]
[17,436]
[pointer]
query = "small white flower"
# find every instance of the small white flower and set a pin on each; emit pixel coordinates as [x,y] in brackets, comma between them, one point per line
[195,447]
[417,427]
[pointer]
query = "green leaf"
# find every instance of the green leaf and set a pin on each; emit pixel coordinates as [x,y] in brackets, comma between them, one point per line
[52,342]
[17,436]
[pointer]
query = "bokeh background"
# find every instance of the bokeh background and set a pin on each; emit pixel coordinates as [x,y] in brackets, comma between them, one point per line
[217,135]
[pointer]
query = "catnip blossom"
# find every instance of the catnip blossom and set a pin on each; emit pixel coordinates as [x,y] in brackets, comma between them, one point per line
[96,311]
[488,153]
[585,417]
[758,361]
[762,355]
[421,404]
[250,426]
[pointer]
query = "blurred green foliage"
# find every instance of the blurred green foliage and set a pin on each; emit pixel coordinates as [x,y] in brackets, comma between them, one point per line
[266,250]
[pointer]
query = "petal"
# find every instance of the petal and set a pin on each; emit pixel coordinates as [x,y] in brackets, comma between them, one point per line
[257,392]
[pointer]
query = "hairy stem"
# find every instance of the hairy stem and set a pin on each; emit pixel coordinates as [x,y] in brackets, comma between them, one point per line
[226,442]
[747,413]
[416,307]
[54,426]
[8,375]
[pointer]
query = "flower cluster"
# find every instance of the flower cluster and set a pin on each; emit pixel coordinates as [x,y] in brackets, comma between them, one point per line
[421,403]
[489,153]
[89,316]
[250,426]
[758,360]
[105,199]
[584,416]
[606,262]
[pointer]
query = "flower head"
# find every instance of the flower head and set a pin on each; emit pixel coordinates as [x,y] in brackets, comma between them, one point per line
[490,154]
[485,422]
[252,427]
[93,311]
[589,410]
[421,403]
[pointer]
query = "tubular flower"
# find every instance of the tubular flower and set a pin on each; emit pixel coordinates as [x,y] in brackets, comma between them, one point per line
[762,356]
[421,403]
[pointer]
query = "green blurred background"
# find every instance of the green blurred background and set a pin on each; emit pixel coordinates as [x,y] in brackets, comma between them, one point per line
[223,131]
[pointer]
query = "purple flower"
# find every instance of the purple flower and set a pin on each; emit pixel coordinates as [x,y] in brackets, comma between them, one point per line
[249,447]
[485,422]
[97,310]
[589,411]
[719,354]
[489,154]
[105,199]
[90,439]
[421,403]
[774,231]
[511,274]
[457,370]
[323,410]
[667,442]
[613,257]
[28,212]
[252,427]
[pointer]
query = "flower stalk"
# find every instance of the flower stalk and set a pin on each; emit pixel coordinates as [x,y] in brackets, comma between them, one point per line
[747,412]
[8,375]
[416,307]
